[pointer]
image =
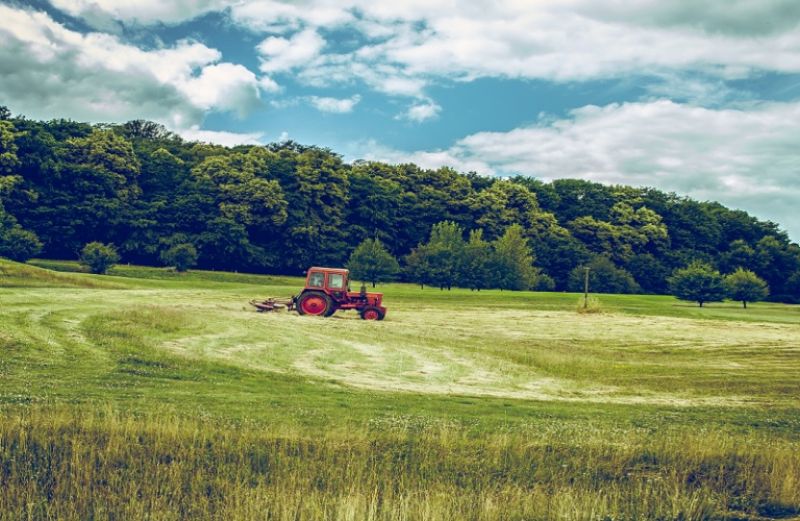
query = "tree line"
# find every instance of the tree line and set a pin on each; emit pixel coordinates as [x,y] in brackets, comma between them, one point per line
[283,207]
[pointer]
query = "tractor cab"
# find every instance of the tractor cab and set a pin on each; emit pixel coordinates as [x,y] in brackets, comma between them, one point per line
[328,289]
[330,280]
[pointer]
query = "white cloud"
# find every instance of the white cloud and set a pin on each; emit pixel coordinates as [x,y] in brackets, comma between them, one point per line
[744,158]
[738,17]
[373,151]
[51,71]
[267,84]
[420,112]
[335,105]
[225,86]
[278,17]
[282,54]
[408,44]
[101,13]
[228,139]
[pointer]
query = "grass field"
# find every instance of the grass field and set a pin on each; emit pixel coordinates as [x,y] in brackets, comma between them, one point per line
[152,394]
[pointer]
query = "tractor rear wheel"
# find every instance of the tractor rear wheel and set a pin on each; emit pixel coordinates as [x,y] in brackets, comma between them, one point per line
[315,303]
[372,313]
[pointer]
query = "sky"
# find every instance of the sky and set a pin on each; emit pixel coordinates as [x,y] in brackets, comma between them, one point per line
[699,98]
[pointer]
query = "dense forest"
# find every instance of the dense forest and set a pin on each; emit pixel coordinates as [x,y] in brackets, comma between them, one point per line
[282,207]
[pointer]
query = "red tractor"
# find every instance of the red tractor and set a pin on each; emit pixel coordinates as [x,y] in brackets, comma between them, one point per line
[328,290]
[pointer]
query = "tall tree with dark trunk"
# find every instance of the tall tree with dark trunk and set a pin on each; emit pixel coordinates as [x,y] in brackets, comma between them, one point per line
[370,261]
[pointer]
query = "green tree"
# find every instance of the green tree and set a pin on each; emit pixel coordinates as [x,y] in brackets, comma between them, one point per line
[374,201]
[445,253]
[601,237]
[476,268]
[650,272]
[8,148]
[502,204]
[698,282]
[792,288]
[739,255]
[514,260]
[604,277]
[16,243]
[19,244]
[418,265]
[745,286]
[225,244]
[160,173]
[182,256]
[317,192]
[776,260]
[628,232]
[99,257]
[557,252]
[89,193]
[242,196]
[370,261]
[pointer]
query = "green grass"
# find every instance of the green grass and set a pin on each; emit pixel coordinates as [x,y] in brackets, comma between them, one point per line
[460,405]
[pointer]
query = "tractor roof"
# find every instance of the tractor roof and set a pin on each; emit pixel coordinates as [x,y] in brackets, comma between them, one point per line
[317,268]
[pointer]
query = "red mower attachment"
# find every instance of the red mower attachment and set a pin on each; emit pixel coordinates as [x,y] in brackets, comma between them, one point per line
[327,291]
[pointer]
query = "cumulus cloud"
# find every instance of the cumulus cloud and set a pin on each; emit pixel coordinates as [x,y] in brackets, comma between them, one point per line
[744,158]
[404,46]
[407,44]
[335,105]
[51,71]
[420,112]
[267,84]
[225,86]
[283,54]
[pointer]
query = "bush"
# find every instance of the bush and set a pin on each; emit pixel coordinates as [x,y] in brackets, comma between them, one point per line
[544,282]
[182,256]
[591,305]
[19,244]
[99,257]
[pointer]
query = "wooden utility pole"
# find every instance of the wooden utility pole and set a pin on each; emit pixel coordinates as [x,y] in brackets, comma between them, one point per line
[585,288]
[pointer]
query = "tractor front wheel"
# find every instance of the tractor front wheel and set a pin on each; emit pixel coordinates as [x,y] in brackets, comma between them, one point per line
[372,313]
[315,303]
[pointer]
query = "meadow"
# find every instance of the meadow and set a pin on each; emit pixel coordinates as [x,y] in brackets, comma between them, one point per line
[149,394]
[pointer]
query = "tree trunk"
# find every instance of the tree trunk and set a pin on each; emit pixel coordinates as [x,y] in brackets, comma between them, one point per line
[701,303]
[373,283]
[744,304]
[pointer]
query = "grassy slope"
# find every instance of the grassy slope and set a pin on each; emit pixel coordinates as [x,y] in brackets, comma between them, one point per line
[663,376]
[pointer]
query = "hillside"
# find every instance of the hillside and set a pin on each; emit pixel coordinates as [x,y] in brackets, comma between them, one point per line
[282,207]
[150,391]
[16,275]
